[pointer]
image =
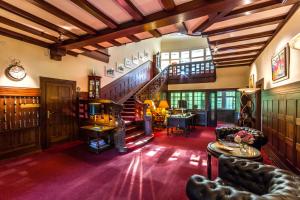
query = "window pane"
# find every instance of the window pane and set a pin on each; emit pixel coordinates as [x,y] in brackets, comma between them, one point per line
[175,96]
[188,96]
[174,55]
[197,53]
[165,56]
[185,54]
[165,63]
[197,59]
[184,60]
[199,100]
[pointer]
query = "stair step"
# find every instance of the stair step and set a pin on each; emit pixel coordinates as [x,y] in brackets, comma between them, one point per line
[130,128]
[128,110]
[134,136]
[129,104]
[139,142]
[128,118]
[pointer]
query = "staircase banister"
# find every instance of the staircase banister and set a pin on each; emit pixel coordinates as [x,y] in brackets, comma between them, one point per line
[149,83]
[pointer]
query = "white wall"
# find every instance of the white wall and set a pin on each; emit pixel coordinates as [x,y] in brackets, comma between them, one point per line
[232,77]
[261,68]
[174,43]
[37,63]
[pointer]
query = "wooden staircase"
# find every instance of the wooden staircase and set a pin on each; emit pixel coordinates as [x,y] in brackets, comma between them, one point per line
[135,133]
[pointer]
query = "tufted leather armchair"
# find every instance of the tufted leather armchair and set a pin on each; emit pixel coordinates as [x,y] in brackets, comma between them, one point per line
[241,179]
[228,132]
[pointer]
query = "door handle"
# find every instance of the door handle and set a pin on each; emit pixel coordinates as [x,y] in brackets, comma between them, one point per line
[49,113]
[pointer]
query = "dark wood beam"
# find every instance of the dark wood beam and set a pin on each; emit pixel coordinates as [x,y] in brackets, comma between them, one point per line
[133,38]
[57,53]
[59,13]
[115,43]
[211,19]
[227,66]
[27,29]
[234,63]
[182,27]
[168,4]
[244,26]
[290,14]
[10,8]
[131,9]
[24,38]
[216,60]
[183,12]
[242,38]
[256,9]
[72,53]
[235,53]
[91,9]
[96,55]
[155,33]
[242,46]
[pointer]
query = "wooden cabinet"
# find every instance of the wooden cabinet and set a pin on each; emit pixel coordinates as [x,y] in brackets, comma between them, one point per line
[94,87]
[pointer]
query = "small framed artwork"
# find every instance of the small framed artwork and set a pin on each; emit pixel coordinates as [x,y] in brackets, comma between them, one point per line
[251,81]
[135,60]
[280,65]
[120,67]
[128,63]
[146,56]
[109,71]
[141,56]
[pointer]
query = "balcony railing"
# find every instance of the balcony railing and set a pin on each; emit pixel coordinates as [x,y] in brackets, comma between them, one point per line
[193,72]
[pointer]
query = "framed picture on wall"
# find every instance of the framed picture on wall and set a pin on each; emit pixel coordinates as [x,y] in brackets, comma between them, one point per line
[146,55]
[135,60]
[120,67]
[141,55]
[280,65]
[128,63]
[109,71]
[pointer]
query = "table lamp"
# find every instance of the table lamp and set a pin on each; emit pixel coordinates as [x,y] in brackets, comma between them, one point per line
[151,106]
[163,105]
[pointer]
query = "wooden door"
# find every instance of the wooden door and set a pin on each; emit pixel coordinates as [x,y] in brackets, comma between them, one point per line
[58,100]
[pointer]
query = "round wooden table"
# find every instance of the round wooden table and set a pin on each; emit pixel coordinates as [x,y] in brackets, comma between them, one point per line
[214,150]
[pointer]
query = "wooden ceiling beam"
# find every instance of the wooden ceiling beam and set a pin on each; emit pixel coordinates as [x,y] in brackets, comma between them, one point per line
[235,53]
[234,62]
[24,38]
[27,29]
[242,46]
[243,38]
[183,12]
[256,9]
[96,55]
[233,58]
[168,4]
[17,11]
[244,26]
[91,9]
[182,28]
[115,43]
[133,38]
[62,15]
[155,33]
[131,9]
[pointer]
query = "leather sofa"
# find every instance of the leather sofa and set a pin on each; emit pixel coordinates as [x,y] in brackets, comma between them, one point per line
[227,133]
[241,179]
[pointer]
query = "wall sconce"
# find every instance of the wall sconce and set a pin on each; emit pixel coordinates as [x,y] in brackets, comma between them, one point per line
[295,42]
[15,71]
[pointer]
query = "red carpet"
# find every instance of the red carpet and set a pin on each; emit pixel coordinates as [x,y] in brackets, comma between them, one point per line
[159,171]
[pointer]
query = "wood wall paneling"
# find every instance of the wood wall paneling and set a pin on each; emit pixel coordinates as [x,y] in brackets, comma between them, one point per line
[19,121]
[281,123]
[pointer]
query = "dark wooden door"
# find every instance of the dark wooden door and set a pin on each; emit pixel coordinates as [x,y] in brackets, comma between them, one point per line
[212,108]
[58,100]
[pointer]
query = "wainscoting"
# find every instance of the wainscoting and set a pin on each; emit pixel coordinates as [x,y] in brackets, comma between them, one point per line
[281,122]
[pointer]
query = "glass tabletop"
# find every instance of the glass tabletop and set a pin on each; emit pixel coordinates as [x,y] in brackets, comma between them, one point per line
[218,148]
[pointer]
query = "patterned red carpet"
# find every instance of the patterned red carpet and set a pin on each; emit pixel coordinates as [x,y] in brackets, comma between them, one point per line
[158,170]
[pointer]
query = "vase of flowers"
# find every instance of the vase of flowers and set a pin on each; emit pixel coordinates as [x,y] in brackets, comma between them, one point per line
[243,138]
